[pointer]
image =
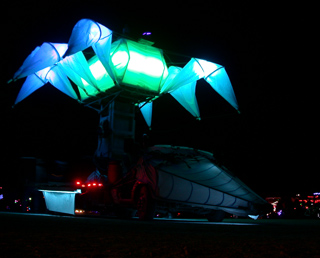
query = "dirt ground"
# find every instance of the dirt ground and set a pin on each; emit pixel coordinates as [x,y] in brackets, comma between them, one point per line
[62,236]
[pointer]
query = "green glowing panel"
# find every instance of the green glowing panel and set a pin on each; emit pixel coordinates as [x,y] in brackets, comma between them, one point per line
[98,71]
[139,65]
[119,58]
[146,67]
[128,68]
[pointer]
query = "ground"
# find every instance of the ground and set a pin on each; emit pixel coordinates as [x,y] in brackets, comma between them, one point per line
[66,236]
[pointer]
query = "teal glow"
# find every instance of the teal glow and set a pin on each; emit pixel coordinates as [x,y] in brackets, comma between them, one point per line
[98,71]
[207,67]
[146,110]
[138,65]
[186,96]
[124,63]
[220,82]
[120,59]
[146,68]
[150,66]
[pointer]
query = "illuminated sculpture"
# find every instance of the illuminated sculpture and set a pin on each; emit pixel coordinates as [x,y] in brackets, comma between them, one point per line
[116,77]
[124,67]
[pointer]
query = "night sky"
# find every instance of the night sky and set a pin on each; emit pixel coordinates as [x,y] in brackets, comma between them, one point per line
[267,51]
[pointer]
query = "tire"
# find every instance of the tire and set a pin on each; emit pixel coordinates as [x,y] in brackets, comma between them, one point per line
[216,216]
[145,204]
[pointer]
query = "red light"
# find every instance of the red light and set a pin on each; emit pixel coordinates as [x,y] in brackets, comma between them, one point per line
[78,183]
[94,184]
[100,184]
[89,184]
[83,185]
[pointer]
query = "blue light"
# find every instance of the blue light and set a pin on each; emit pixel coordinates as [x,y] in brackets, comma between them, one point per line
[147,33]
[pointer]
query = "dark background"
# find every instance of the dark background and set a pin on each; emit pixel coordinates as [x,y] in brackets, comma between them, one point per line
[268,52]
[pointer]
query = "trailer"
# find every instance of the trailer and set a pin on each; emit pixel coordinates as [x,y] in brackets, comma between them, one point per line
[165,179]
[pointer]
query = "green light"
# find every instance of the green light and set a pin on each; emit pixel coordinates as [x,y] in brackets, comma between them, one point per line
[120,61]
[138,65]
[135,65]
[97,69]
[119,58]
[125,63]
[146,68]
[147,65]
[103,79]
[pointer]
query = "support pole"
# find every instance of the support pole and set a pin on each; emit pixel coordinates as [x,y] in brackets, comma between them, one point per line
[116,126]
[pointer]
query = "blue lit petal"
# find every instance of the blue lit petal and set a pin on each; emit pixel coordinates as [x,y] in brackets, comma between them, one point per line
[84,34]
[191,72]
[78,64]
[59,80]
[45,56]
[146,110]
[186,96]
[32,83]
[220,82]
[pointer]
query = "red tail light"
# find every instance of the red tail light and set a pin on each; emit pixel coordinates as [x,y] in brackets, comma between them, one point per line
[78,183]
[94,184]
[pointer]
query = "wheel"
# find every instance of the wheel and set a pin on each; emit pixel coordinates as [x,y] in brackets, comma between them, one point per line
[216,216]
[145,204]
